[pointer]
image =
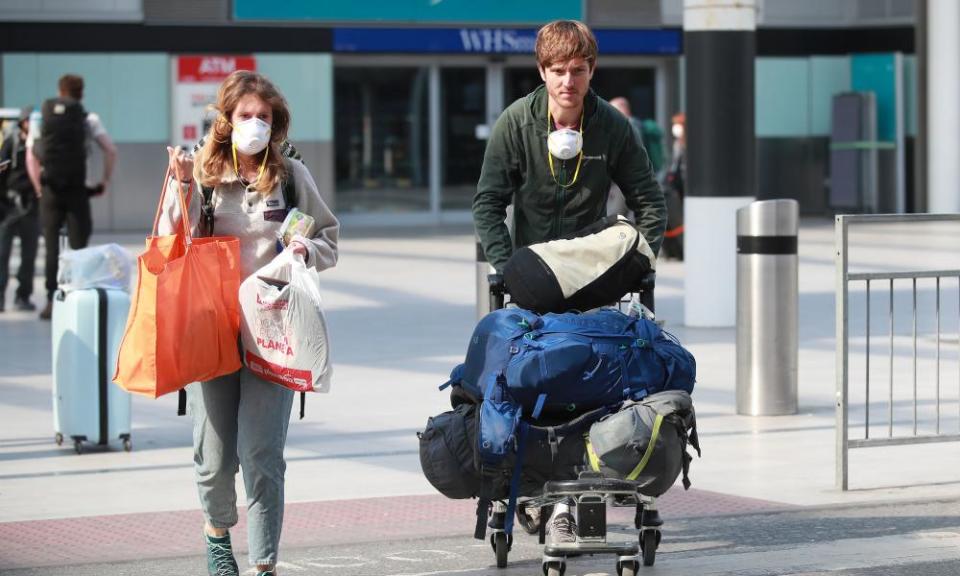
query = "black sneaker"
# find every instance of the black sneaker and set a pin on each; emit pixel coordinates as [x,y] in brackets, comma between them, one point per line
[2,304]
[23,305]
[220,560]
[529,518]
[47,311]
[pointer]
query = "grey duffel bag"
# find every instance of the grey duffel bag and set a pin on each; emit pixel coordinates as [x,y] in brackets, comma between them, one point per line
[646,442]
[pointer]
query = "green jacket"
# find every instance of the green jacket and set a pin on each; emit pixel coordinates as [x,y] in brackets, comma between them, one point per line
[515,169]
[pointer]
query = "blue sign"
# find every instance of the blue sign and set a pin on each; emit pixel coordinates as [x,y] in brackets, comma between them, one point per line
[420,11]
[494,41]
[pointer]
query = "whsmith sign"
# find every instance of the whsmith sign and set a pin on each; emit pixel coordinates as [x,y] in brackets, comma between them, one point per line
[494,41]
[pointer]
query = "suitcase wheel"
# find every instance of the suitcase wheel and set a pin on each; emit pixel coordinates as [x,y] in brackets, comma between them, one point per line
[127,445]
[78,446]
[58,438]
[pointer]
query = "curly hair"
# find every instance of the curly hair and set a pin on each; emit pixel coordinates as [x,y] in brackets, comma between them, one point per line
[216,156]
[563,40]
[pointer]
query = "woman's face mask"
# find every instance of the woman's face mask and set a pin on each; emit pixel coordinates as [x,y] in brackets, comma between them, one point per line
[564,143]
[677,130]
[251,136]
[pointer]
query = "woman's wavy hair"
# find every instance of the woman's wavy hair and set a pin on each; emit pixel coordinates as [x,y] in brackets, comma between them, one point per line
[216,158]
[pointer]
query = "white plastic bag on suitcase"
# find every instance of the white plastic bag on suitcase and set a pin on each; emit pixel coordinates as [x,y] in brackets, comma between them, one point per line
[282,325]
[108,266]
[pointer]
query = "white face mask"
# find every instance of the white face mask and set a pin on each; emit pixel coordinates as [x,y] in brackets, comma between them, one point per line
[251,136]
[565,143]
[677,130]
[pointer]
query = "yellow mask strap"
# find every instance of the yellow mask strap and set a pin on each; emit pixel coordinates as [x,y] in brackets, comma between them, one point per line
[263,163]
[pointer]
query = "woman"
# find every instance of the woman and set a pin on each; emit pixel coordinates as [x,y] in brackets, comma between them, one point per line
[239,419]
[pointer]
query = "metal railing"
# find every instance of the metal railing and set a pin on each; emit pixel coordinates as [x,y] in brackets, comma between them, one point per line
[844,278]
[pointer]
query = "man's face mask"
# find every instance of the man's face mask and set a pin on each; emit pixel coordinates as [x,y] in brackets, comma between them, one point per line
[677,130]
[564,143]
[251,136]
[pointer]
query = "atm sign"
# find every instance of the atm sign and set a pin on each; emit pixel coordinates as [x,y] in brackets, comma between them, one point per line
[211,68]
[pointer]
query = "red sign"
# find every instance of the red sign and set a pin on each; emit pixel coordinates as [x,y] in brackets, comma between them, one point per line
[211,68]
[292,378]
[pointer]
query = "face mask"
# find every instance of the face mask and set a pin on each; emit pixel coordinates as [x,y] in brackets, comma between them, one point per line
[677,130]
[564,143]
[251,136]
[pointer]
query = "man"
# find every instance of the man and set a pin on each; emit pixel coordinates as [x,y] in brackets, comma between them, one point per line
[21,215]
[554,196]
[675,183]
[554,154]
[57,160]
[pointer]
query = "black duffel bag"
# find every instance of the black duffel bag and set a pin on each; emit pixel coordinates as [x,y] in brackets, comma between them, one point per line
[593,267]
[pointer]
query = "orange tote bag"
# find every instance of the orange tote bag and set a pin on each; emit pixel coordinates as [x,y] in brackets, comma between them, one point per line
[185,316]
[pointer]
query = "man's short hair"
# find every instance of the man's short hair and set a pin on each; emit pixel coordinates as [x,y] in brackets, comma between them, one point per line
[563,40]
[71,85]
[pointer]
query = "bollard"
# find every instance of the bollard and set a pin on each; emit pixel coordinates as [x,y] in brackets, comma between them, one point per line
[767,317]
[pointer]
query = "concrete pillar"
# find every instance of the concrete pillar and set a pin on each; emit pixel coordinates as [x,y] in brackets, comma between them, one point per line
[943,105]
[719,48]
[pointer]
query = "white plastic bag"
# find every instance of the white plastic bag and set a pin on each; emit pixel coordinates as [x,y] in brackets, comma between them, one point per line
[107,266]
[282,325]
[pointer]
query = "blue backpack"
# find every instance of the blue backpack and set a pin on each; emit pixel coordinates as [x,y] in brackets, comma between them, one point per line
[566,364]
[522,367]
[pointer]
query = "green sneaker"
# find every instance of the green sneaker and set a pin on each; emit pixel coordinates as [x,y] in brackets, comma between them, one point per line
[220,560]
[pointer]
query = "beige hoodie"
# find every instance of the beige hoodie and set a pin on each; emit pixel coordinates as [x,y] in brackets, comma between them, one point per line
[255,219]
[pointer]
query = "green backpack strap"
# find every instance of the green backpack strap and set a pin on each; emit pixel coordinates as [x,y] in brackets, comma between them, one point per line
[289,186]
[206,211]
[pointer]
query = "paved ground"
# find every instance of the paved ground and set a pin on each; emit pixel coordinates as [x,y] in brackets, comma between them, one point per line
[401,308]
[902,540]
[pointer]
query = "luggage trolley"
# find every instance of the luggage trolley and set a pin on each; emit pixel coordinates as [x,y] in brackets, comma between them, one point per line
[591,493]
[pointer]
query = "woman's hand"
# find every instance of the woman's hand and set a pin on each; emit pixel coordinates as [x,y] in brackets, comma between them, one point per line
[299,249]
[181,165]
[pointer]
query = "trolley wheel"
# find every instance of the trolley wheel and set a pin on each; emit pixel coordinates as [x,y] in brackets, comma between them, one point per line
[501,547]
[554,568]
[649,540]
[627,568]
[58,438]
[78,446]
[127,445]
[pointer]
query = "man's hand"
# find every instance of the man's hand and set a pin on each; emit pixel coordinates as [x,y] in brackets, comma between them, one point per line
[180,164]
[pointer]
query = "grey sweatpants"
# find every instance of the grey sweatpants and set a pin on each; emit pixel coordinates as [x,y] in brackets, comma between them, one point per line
[240,421]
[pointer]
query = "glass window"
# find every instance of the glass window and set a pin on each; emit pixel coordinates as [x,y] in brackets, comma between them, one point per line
[518,82]
[381,139]
[638,85]
[464,108]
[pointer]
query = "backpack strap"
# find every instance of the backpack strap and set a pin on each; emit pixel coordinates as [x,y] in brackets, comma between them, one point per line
[289,186]
[206,211]
[515,479]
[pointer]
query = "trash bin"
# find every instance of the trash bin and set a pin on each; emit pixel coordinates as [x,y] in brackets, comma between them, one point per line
[767,317]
